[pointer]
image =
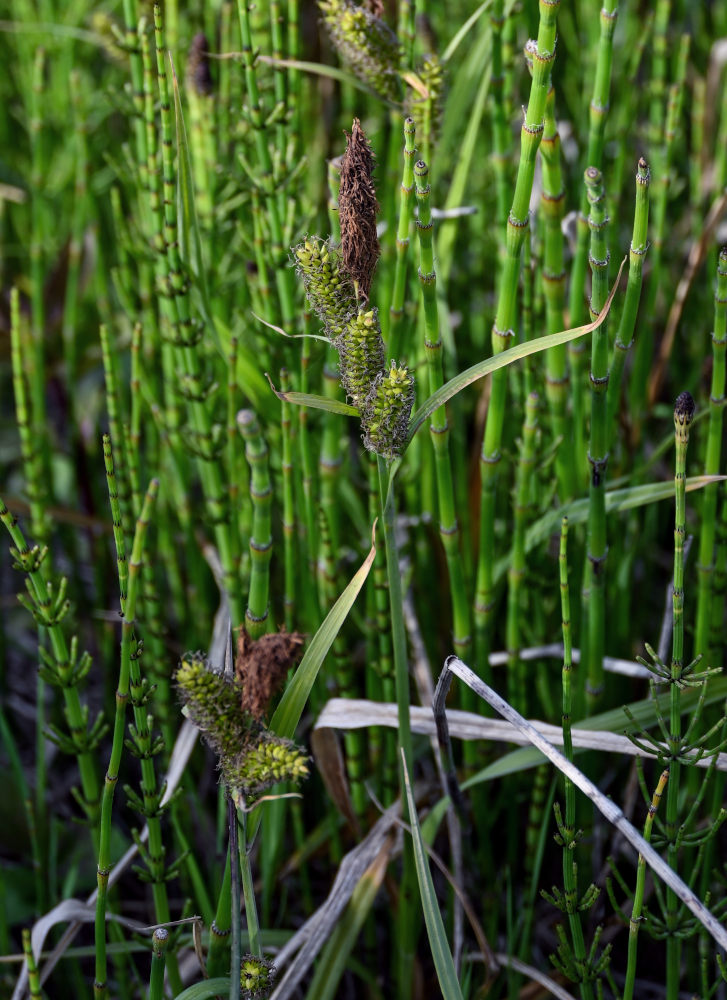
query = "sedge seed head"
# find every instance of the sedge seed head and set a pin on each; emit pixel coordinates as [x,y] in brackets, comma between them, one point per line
[264,761]
[365,44]
[386,412]
[362,355]
[257,977]
[357,210]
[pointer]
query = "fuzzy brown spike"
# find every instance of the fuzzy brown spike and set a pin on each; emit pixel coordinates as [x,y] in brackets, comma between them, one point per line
[261,666]
[358,207]
[198,66]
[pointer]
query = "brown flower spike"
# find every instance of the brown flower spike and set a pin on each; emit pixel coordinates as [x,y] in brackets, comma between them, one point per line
[358,207]
[261,666]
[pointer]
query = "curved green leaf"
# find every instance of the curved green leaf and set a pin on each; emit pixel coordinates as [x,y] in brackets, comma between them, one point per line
[443,961]
[208,988]
[315,402]
[616,500]
[502,360]
[290,708]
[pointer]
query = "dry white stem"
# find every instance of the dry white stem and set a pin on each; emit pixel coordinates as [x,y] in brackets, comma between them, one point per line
[609,809]
[354,713]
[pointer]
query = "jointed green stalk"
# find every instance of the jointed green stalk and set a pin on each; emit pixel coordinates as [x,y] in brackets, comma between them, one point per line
[553,275]
[500,130]
[567,833]
[637,252]
[159,941]
[517,688]
[636,917]
[185,334]
[261,538]
[32,465]
[48,605]
[664,163]
[594,157]
[406,210]
[129,650]
[712,460]
[283,276]
[598,448]
[439,429]
[683,415]
[543,55]
[406,922]
[289,518]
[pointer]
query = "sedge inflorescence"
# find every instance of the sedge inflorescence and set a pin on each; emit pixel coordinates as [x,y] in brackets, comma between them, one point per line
[251,758]
[337,282]
[365,44]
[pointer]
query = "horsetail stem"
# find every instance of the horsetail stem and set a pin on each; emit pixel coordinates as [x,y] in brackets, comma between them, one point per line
[261,539]
[129,650]
[683,415]
[63,666]
[636,914]
[184,333]
[712,461]
[290,553]
[500,130]
[599,107]
[543,55]
[598,448]
[554,276]
[35,480]
[637,252]
[396,326]
[517,687]
[265,165]
[449,530]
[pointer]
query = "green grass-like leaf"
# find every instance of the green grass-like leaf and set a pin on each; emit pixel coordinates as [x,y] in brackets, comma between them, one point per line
[443,961]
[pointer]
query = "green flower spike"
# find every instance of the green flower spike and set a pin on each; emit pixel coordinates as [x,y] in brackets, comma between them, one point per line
[361,350]
[329,289]
[427,111]
[365,44]
[264,761]
[386,412]
[257,977]
[212,702]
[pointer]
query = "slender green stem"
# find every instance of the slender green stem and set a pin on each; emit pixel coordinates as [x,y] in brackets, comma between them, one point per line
[598,448]
[636,918]
[567,830]
[543,54]
[599,108]
[159,941]
[406,921]
[449,530]
[683,416]
[290,553]
[48,605]
[129,644]
[516,612]
[637,253]
[261,538]
[283,275]
[394,334]
[553,276]
[708,519]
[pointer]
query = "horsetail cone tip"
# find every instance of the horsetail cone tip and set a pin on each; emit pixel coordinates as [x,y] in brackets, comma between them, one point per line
[684,410]
[643,174]
[722,265]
